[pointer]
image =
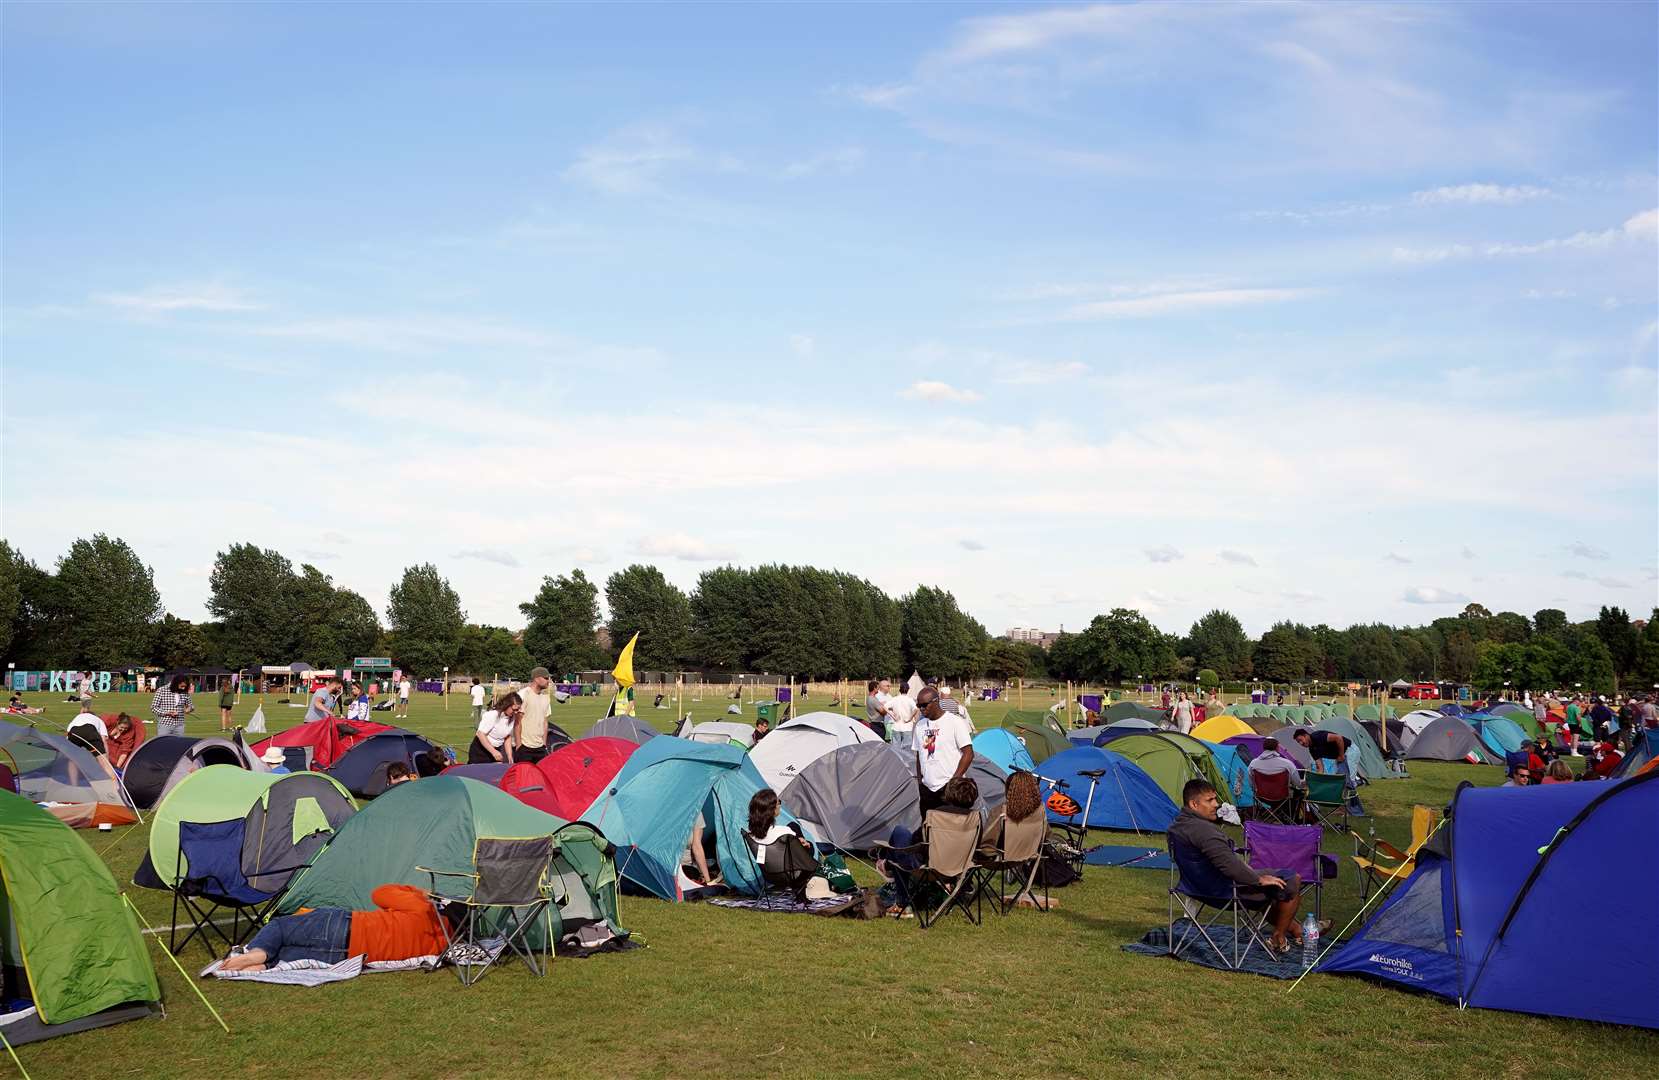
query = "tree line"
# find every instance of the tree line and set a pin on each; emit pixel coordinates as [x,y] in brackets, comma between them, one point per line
[98,607]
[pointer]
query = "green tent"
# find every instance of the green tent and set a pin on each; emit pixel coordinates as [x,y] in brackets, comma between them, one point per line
[1039,730]
[1171,759]
[1366,712]
[67,939]
[434,823]
[1364,756]
[1131,710]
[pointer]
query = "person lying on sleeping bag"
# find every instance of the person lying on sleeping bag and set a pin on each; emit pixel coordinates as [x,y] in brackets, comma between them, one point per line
[403,925]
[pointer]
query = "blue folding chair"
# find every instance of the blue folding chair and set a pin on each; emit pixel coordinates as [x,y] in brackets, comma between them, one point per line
[1198,885]
[209,880]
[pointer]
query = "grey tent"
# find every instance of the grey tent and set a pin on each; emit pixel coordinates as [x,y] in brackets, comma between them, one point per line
[992,781]
[630,728]
[288,825]
[161,762]
[1290,748]
[1449,739]
[854,796]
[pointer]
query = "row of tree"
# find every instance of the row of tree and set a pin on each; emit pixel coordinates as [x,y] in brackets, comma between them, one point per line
[99,608]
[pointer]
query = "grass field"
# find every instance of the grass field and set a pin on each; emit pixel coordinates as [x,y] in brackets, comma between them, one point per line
[722,993]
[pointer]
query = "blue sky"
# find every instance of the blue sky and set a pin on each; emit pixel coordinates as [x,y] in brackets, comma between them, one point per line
[1333,313]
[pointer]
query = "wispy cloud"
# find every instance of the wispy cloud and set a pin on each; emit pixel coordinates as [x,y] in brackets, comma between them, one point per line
[160,299]
[1428,594]
[1604,582]
[933,390]
[631,161]
[679,545]
[1237,558]
[840,162]
[1494,194]
[1164,554]
[1639,228]
[801,344]
[1397,558]
[1578,549]
[1469,553]
[1177,303]
[1037,372]
[489,555]
[970,545]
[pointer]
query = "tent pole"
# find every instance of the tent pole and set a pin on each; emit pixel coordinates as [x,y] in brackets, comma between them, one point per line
[188,980]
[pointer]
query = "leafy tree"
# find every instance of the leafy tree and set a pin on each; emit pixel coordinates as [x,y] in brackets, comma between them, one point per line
[178,643]
[11,595]
[1536,664]
[109,597]
[938,638]
[1209,678]
[1587,660]
[1418,648]
[1121,645]
[491,650]
[1475,611]
[1549,621]
[642,601]
[1036,660]
[355,627]
[722,627]
[426,620]
[249,592]
[1218,641]
[1283,655]
[1065,657]
[1508,626]
[1006,660]
[1616,631]
[1372,654]
[1645,667]
[1457,658]
[563,615]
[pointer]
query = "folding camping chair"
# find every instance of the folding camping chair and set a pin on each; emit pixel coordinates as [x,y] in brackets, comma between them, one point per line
[785,865]
[1014,854]
[1327,799]
[1275,798]
[1294,848]
[1195,885]
[1375,871]
[209,879]
[509,878]
[949,842]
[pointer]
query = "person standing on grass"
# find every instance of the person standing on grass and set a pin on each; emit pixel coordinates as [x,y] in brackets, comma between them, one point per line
[403,688]
[227,702]
[1182,714]
[875,704]
[944,747]
[531,737]
[171,706]
[477,701]
[324,701]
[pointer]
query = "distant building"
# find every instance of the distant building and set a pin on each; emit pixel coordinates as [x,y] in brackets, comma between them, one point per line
[1026,634]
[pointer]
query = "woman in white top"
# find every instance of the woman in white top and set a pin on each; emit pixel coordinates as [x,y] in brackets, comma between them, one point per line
[494,741]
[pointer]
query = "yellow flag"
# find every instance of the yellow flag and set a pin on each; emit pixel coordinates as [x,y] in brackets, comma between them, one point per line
[624,672]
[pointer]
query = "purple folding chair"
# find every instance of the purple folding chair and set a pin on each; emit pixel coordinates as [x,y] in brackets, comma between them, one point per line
[1294,848]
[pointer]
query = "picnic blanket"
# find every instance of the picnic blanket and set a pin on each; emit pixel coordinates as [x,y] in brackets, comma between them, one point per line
[1198,951]
[315,972]
[1139,858]
[785,904]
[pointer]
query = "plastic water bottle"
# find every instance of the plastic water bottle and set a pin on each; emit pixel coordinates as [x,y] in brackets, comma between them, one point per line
[1310,941]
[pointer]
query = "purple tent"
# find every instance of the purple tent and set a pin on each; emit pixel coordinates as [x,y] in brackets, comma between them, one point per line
[1248,745]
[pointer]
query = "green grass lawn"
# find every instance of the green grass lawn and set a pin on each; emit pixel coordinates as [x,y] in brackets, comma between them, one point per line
[723,993]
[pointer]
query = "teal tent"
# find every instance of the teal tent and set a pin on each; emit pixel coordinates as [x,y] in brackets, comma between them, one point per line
[1236,770]
[649,809]
[1500,734]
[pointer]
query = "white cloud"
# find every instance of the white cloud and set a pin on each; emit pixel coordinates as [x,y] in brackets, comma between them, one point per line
[1164,554]
[333,536]
[160,299]
[1300,596]
[1037,372]
[1428,594]
[801,344]
[631,161]
[1579,549]
[1237,558]
[970,545]
[489,555]
[1469,553]
[1396,557]
[1497,194]
[679,545]
[1176,303]
[840,161]
[880,97]
[933,390]
[1639,228]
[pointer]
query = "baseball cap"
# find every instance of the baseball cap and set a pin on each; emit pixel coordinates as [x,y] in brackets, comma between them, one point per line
[540,673]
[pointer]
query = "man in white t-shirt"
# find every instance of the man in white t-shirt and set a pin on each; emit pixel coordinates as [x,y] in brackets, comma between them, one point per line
[943,745]
[901,719]
[477,701]
[403,688]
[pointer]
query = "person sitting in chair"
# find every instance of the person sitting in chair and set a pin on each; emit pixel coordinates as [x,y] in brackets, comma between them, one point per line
[785,858]
[960,795]
[1323,746]
[1270,761]
[403,925]
[1279,894]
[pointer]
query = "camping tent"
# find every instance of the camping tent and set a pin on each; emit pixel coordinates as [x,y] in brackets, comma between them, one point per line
[362,769]
[630,728]
[1247,745]
[1364,757]
[71,956]
[325,741]
[436,823]
[1004,749]
[854,796]
[1643,751]
[988,776]
[1507,870]
[1236,768]
[1217,728]
[1038,730]
[1118,730]
[1125,798]
[1452,709]
[228,793]
[797,743]
[720,732]
[648,811]
[1171,759]
[1507,708]
[1132,710]
[1418,719]
[565,782]
[1448,739]
[1399,736]
[1499,734]
[288,825]
[160,763]
[52,770]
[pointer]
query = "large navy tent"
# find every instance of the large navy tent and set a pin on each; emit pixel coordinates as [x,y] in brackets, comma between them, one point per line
[1507,871]
[1125,798]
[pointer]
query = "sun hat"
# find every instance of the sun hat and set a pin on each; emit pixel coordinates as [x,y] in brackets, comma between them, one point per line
[273,755]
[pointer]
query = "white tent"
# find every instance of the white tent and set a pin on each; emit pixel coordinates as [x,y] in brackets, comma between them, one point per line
[719,732]
[1419,719]
[794,745]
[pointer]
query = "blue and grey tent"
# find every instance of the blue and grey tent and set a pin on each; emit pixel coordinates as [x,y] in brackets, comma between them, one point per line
[1125,798]
[1233,765]
[1499,734]
[1507,870]
[1642,753]
[648,810]
[1004,749]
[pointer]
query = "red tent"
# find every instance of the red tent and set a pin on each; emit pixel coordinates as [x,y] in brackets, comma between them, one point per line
[329,738]
[567,781]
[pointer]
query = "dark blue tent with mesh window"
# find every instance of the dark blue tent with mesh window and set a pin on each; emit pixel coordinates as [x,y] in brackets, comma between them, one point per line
[1125,797]
[1480,919]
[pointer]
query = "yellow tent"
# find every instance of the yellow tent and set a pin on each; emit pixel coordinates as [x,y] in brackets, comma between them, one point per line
[1217,728]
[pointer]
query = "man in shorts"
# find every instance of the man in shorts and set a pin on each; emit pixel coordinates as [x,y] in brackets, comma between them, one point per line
[531,737]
